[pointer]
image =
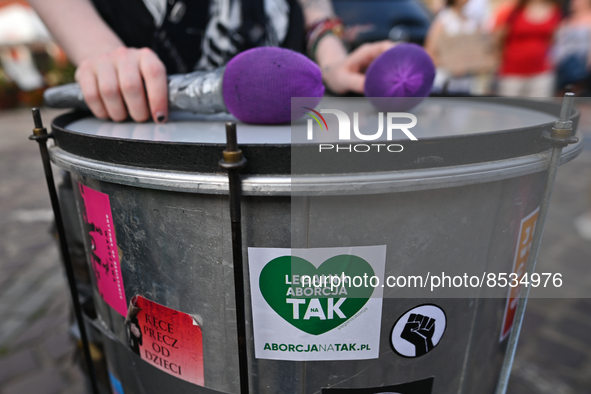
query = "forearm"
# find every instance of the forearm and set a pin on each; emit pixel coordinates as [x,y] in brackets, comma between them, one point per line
[330,52]
[330,49]
[316,10]
[342,72]
[77,27]
[431,41]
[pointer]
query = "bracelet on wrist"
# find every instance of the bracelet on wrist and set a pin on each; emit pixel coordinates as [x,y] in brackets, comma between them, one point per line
[319,30]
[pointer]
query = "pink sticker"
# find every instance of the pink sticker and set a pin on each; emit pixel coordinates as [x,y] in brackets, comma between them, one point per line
[103,256]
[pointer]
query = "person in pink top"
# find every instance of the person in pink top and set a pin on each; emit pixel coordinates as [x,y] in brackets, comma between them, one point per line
[525,32]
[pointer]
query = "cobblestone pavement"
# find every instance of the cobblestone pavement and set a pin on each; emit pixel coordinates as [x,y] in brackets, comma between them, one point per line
[36,349]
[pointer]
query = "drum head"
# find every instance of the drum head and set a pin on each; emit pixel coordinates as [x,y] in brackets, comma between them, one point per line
[450,131]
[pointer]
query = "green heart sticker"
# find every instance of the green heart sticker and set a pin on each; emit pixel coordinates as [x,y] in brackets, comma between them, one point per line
[314,305]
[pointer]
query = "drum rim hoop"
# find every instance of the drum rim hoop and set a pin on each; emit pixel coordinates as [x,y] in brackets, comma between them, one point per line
[275,159]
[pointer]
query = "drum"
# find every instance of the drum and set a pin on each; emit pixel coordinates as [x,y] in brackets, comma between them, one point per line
[153,204]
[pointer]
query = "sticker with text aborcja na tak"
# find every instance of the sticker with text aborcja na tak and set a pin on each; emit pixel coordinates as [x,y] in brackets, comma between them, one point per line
[299,314]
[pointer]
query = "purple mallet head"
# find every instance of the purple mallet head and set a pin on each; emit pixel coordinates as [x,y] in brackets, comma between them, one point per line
[259,83]
[405,73]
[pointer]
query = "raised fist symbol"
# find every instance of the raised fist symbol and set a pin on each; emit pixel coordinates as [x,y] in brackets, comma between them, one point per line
[419,330]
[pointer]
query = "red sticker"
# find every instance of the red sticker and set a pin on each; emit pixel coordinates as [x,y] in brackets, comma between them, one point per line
[99,228]
[168,339]
[526,232]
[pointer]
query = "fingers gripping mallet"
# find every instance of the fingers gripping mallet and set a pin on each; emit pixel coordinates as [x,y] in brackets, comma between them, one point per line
[256,86]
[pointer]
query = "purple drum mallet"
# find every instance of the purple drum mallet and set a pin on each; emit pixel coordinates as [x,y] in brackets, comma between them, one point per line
[259,84]
[399,78]
[256,86]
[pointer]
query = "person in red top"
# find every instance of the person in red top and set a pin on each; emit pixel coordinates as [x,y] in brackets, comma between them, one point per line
[525,31]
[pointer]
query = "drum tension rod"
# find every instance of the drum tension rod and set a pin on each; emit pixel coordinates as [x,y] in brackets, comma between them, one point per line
[233,161]
[41,136]
[560,137]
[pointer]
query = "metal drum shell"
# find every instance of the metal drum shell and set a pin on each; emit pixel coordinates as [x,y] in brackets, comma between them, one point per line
[174,234]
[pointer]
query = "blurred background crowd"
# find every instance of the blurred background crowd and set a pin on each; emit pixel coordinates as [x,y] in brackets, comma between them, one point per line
[527,48]
[30,61]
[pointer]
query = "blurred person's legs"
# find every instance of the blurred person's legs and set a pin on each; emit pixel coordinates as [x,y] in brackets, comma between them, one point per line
[583,223]
[445,83]
[585,86]
[541,85]
[482,84]
[512,86]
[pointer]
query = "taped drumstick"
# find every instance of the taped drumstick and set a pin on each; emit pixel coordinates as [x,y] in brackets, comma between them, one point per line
[404,74]
[256,86]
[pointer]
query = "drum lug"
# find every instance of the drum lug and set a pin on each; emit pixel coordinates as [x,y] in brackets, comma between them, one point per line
[229,165]
[561,134]
[557,141]
[41,137]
